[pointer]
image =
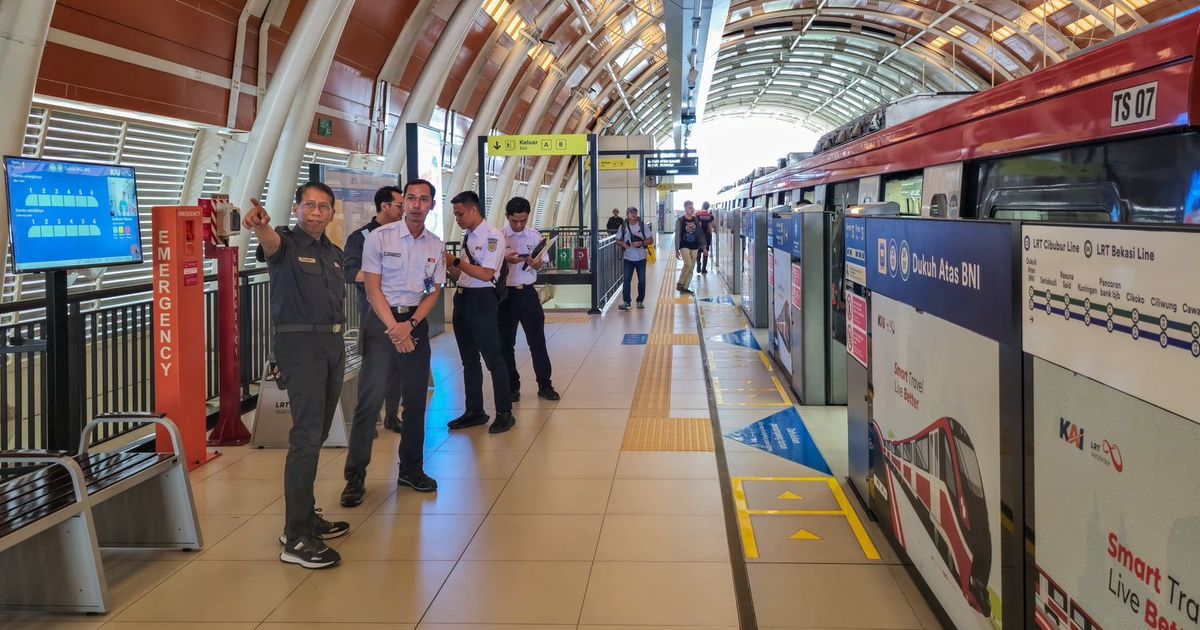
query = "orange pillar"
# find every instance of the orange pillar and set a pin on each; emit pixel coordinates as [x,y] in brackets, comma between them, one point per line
[179,358]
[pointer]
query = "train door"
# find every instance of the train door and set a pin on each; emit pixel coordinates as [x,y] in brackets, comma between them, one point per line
[840,196]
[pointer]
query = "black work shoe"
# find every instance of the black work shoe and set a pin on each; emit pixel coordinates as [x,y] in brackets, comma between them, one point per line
[515,395]
[470,419]
[393,423]
[504,421]
[353,493]
[686,290]
[309,552]
[548,393]
[324,529]
[417,480]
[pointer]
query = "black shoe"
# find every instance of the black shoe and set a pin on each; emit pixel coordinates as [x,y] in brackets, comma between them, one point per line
[548,393]
[470,419]
[324,529]
[504,421]
[309,552]
[515,395]
[393,423]
[353,493]
[418,481]
[686,290]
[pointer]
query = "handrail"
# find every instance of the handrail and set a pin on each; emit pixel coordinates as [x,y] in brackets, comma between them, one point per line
[104,294]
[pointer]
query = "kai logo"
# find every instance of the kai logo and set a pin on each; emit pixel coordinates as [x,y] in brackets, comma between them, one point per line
[1070,433]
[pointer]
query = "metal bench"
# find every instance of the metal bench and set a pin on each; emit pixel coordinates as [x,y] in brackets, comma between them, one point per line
[55,519]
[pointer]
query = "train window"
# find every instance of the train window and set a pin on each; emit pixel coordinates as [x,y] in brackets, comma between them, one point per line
[968,467]
[946,469]
[1153,179]
[921,454]
[905,191]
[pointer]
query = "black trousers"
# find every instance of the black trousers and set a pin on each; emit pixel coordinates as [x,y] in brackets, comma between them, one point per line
[476,332]
[524,308]
[381,365]
[312,367]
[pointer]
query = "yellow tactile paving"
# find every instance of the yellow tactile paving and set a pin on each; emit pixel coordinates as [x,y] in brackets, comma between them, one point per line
[568,318]
[668,434]
[674,339]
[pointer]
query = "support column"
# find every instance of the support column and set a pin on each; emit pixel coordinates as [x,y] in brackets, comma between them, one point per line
[290,152]
[23,29]
[433,77]
[274,109]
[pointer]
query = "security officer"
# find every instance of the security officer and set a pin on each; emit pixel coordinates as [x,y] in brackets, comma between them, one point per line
[403,271]
[475,314]
[523,306]
[308,314]
[389,208]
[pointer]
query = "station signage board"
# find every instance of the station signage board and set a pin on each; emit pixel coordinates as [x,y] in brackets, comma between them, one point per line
[667,165]
[557,144]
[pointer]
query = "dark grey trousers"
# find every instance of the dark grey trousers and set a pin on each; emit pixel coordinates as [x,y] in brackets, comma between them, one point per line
[312,367]
[477,331]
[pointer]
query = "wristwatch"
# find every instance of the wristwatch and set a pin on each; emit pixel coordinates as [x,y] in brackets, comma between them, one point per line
[414,322]
[456,262]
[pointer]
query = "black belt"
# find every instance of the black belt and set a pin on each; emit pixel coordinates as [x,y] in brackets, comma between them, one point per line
[405,312]
[466,289]
[303,328]
[518,287]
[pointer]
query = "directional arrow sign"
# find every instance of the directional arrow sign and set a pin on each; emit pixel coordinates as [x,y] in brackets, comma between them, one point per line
[789,496]
[563,144]
[804,534]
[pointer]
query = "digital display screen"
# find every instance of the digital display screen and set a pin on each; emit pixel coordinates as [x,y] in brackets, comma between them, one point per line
[664,166]
[66,215]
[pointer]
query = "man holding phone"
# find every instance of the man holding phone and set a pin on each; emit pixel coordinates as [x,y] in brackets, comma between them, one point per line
[634,237]
[523,305]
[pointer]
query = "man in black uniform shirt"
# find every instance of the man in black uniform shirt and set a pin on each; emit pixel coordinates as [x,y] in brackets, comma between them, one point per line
[308,316]
[389,208]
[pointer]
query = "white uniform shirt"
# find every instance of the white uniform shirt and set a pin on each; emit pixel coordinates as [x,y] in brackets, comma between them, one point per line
[411,266]
[487,250]
[522,243]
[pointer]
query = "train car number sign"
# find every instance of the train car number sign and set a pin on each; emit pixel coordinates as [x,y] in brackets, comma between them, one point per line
[1134,105]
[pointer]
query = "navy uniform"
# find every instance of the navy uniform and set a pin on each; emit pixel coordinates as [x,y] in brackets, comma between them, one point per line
[476,309]
[308,317]
[525,308]
[395,382]
[410,269]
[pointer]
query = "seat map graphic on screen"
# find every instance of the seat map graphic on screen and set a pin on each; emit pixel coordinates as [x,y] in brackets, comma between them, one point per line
[66,214]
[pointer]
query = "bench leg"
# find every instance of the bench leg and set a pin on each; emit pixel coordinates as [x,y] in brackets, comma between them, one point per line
[56,570]
[157,513]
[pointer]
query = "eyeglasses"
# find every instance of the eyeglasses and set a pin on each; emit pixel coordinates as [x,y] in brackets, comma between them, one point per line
[316,205]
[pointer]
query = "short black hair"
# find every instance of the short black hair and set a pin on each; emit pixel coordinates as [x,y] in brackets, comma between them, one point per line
[319,186]
[467,198]
[516,205]
[413,182]
[384,195]
[704,206]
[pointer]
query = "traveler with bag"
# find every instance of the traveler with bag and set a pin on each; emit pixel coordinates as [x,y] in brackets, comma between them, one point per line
[636,238]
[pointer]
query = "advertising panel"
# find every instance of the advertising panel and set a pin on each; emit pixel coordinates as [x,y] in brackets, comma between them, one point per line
[1098,301]
[797,285]
[856,250]
[429,168]
[781,315]
[354,190]
[856,327]
[937,465]
[1118,526]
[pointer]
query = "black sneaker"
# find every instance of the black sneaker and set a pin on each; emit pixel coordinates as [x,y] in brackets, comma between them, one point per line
[686,291]
[309,552]
[548,393]
[322,528]
[417,480]
[470,419]
[515,395]
[353,493]
[393,423]
[623,306]
[504,421]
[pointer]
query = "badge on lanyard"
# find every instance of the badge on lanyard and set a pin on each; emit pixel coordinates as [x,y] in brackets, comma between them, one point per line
[428,286]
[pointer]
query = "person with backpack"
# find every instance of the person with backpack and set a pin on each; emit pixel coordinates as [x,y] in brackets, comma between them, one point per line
[690,242]
[634,237]
[482,276]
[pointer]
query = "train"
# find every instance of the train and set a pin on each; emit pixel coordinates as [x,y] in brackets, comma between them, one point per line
[939,472]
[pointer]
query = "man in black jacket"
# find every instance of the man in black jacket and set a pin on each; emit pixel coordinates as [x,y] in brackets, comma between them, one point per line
[614,222]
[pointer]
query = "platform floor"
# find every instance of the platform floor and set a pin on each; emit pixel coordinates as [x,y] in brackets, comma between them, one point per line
[603,510]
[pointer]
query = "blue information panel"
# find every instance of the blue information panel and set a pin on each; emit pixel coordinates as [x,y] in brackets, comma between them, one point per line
[635,339]
[67,214]
[783,434]
[781,231]
[960,271]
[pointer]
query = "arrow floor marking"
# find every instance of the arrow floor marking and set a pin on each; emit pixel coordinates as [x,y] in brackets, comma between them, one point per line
[804,534]
[789,496]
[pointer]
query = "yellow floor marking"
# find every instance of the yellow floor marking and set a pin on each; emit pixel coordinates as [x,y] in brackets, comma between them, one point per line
[744,512]
[804,534]
[668,434]
[765,361]
[567,318]
[789,496]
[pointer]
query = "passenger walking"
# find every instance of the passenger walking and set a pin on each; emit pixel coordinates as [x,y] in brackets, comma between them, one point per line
[522,305]
[689,244]
[476,310]
[308,312]
[634,237]
[389,208]
[706,221]
[403,270]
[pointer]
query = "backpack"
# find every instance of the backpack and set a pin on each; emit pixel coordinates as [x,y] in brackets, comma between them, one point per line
[500,282]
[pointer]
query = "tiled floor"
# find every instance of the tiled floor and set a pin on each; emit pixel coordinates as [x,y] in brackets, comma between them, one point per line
[550,526]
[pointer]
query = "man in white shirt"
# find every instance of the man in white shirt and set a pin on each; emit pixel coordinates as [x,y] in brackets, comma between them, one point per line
[476,310]
[403,272]
[523,305]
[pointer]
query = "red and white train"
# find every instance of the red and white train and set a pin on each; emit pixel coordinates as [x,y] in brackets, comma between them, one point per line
[939,473]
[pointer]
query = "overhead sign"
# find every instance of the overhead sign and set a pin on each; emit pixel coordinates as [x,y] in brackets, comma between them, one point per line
[667,165]
[567,144]
[619,164]
[673,186]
